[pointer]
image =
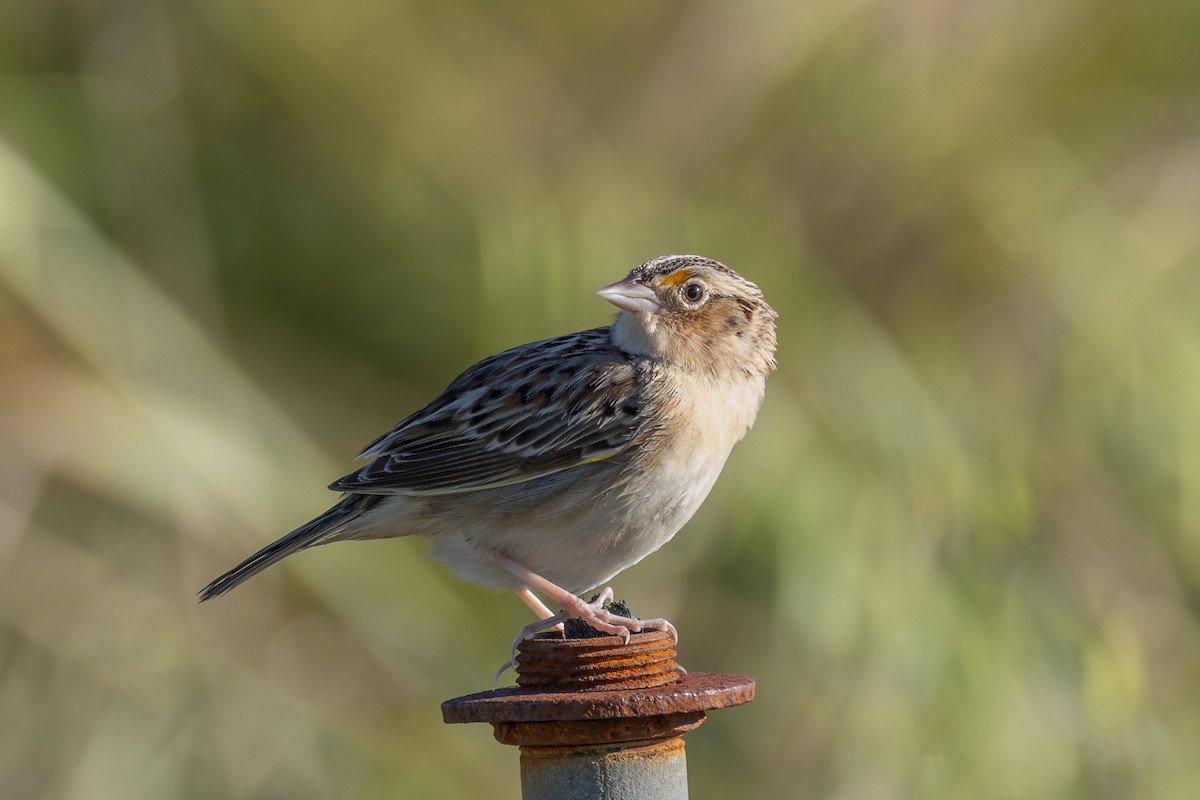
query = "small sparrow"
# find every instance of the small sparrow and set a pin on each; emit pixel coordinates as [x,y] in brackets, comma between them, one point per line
[553,466]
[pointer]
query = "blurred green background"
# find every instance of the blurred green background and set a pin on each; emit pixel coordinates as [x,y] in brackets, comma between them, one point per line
[238,238]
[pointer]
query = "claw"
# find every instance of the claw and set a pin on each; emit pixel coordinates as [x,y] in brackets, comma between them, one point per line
[505,667]
[528,632]
[531,630]
[660,624]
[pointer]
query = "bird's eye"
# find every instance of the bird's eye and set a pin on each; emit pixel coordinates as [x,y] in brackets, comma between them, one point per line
[693,292]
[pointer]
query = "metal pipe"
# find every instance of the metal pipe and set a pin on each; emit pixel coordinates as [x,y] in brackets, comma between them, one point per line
[600,719]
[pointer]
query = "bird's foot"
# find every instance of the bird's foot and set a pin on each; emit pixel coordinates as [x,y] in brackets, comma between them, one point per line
[614,619]
[660,624]
[593,614]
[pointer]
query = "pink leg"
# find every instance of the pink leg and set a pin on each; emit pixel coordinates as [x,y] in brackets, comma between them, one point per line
[594,613]
[534,602]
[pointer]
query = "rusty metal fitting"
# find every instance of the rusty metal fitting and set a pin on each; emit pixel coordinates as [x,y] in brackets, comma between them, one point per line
[599,718]
[550,663]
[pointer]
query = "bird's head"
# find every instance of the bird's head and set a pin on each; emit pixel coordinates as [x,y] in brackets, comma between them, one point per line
[694,312]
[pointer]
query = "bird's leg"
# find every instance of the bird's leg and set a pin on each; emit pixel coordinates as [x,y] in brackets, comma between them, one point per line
[535,603]
[594,613]
[574,607]
[547,620]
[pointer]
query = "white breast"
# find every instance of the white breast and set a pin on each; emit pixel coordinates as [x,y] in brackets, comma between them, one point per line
[708,424]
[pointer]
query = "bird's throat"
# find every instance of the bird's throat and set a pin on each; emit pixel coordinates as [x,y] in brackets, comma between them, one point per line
[636,332]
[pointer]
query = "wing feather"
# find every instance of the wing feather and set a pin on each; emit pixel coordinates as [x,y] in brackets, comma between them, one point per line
[519,415]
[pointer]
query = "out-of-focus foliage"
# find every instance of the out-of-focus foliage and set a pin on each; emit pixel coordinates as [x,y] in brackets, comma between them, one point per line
[238,238]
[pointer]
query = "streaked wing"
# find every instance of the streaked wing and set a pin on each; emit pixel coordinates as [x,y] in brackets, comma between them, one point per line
[524,413]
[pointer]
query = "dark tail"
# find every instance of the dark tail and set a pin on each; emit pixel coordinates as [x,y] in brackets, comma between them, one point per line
[320,530]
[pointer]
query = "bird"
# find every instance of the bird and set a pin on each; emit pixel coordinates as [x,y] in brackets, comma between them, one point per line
[549,468]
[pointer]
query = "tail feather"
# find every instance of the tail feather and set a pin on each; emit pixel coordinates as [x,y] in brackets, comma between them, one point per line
[318,531]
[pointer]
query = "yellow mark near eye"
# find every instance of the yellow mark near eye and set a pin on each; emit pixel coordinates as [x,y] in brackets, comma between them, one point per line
[677,277]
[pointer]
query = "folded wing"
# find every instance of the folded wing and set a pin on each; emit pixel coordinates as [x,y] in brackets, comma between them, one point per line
[519,415]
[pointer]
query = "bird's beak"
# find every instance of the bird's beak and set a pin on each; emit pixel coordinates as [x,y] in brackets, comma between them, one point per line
[631,295]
